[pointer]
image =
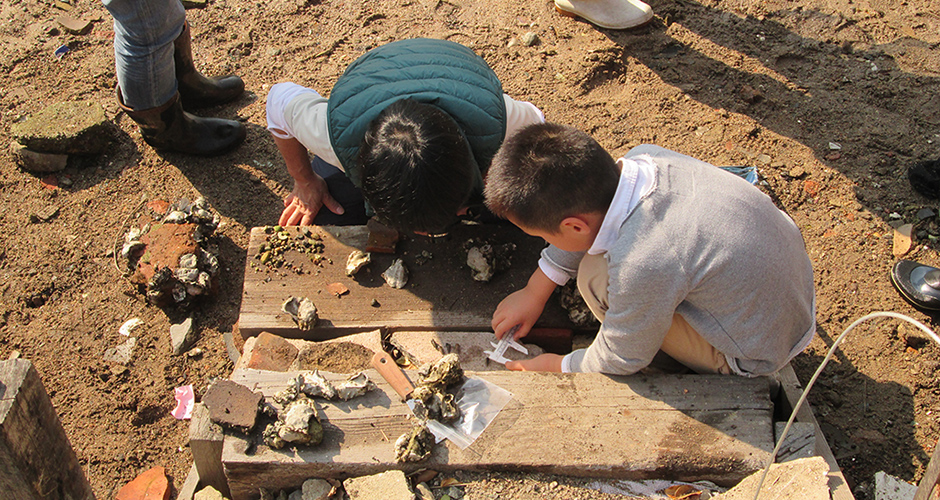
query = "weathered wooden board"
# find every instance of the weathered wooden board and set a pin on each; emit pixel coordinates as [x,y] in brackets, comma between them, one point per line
[678,427]
[36,458]
[440,295]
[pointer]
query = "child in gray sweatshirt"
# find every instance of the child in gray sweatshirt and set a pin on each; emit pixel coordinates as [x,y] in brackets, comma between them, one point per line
[670,253]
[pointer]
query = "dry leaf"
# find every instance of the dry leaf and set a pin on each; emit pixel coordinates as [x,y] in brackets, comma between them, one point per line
[448,481]
[682,492]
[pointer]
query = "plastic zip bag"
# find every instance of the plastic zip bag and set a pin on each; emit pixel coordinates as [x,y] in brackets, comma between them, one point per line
[479,402]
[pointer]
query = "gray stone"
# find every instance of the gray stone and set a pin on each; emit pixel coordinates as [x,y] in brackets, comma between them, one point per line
[800,441]
[122,353]
[296,495]
[71,127]
[391,485]
[40,163]
[316,489]
[529,39]
[888,487]
[182,336]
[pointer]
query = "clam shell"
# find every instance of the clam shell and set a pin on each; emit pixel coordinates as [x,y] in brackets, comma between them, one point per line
[356,261]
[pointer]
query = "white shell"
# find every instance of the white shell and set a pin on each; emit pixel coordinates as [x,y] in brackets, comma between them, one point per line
[357,385]
[479,261]
[356,261]
[302,311]
[396,275]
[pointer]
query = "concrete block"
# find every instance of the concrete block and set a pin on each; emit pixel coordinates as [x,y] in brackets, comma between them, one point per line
[391,485]
[40,163]
[71,127]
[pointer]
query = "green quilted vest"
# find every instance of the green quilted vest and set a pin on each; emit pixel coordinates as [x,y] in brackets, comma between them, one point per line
[438,72]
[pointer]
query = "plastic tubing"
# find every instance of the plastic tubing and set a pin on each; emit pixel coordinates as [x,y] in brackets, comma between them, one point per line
[881,314]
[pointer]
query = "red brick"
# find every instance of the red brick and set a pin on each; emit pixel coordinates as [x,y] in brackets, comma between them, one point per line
[272,352]
[150,485]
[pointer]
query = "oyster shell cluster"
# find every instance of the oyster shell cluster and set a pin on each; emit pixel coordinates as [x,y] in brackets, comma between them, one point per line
[279,240]
[486,259]
[194,274]
[298,421]
[197,212]
[302,311]
[315,385]
[414,446]
[433,399]
[298,424]
[396,275]
[572,302]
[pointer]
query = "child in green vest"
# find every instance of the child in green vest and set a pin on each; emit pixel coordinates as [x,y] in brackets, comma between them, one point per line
[413,124]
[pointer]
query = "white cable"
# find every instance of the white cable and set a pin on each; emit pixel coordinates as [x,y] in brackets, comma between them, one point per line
[882,314]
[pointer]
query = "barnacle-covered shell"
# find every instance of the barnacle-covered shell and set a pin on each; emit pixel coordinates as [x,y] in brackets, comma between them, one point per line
[302,311]
[485,260]
[396,275]
[356,261]
[176,217]
[414,446]
[188,260]
[291,392]
[478,258]
[297,423]
[445,373]
[354,386]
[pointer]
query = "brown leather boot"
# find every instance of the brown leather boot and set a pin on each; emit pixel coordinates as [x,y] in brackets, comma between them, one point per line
[195,89]
[169,128]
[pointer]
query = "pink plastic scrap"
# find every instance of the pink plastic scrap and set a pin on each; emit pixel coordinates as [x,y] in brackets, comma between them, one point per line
[184,402]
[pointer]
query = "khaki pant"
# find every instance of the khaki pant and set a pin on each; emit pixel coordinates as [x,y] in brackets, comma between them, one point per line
[682,342]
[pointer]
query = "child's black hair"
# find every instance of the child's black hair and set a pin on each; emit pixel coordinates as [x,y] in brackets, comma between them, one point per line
[417,168]
[547,172]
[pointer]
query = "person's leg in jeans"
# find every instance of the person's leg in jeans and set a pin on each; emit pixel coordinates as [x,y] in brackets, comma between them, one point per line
[144,31]
[144,36]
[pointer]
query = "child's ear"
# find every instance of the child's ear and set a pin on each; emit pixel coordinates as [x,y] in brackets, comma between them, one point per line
[575,225]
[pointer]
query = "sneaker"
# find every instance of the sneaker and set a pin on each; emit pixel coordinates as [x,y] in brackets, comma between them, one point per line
[610,14]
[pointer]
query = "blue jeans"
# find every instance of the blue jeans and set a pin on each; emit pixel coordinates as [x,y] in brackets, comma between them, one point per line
[144,32]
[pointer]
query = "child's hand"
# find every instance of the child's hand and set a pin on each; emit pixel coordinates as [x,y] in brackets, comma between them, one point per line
[523,307]
[520,308]
[302,205]
[542,363]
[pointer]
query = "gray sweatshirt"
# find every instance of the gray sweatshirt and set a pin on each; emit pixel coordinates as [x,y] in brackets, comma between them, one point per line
[708,245]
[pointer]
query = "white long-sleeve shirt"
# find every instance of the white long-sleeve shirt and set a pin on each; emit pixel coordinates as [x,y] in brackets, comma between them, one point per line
[294,111]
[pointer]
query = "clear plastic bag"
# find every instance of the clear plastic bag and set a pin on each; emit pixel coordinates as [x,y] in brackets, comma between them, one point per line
[479,402]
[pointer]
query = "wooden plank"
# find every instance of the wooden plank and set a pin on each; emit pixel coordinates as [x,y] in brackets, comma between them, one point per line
[678,427]
[440,295]
[37,461]
[929,481]
[205,443]
[792,390]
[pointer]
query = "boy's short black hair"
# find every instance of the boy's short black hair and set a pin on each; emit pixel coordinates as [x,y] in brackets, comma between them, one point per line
[417,168]
[547,172]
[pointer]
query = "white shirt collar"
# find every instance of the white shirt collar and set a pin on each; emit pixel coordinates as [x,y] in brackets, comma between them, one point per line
[637,179]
